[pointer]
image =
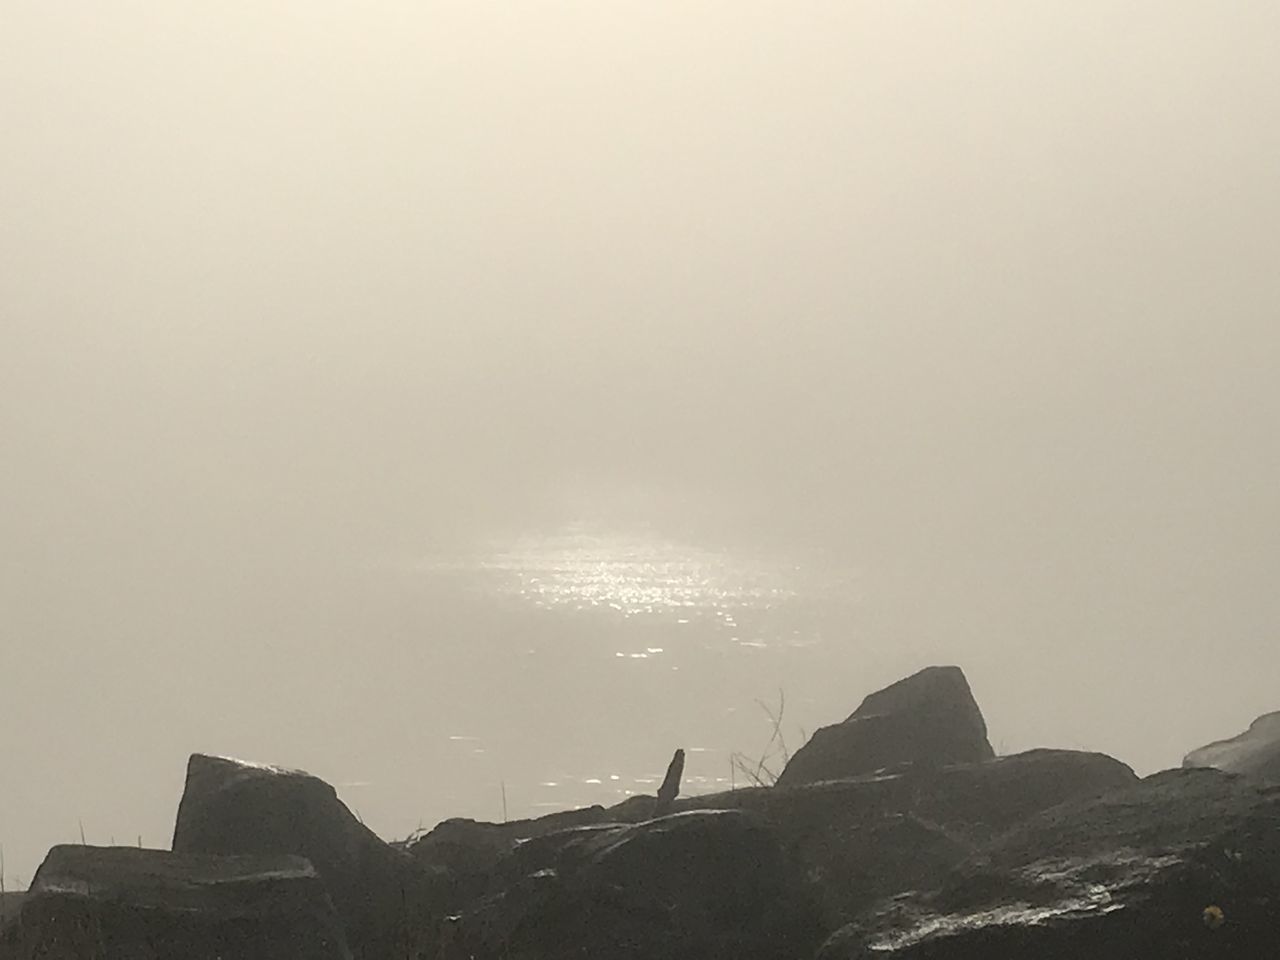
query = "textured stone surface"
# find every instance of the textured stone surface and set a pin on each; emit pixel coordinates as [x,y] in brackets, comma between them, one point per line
[10,904]
[1125,876]
[861,839]
[1256,752]
[840,845]
[122,903]
[929,718]
[697,884]
[462,854]
[232,807]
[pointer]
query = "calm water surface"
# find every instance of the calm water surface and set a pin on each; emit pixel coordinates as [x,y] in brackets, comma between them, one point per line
[627,644]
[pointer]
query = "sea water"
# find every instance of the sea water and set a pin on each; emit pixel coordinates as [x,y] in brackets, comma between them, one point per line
[589,653]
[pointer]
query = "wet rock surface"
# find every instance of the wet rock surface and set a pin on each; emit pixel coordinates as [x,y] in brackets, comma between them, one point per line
[1183,864]
[929,718]
[112,903]
[1256,752]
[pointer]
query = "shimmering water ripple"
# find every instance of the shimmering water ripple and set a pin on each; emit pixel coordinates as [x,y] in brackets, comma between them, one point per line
[637,576]
[610,597]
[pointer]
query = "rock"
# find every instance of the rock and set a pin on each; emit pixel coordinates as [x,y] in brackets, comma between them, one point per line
[232,807]
[634,809]
[670,788]
[862,839]
[985,799]
[1182,864]
[464,853]
[1255,752]
[462,847]
[113,903]
[695,884]
[10,905]
[929,718]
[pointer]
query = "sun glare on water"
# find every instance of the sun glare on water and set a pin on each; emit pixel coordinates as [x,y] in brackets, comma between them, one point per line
[636,574]
[651,583]
[640,574]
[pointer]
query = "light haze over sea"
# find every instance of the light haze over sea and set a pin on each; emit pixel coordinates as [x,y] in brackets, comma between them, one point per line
[463,400]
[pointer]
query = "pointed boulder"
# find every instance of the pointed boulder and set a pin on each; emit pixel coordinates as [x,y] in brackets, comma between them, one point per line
[927,719]
[233,807]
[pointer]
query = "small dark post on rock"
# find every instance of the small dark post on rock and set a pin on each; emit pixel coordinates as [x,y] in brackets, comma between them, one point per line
[670,788]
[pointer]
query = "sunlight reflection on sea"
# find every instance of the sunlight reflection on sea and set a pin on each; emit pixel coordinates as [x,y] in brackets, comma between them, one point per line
[619,621]
[638,577]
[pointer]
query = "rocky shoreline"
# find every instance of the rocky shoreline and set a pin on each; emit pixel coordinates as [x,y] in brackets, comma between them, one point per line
[896,833]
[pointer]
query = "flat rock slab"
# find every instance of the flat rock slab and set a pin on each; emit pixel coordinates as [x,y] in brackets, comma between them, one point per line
[121,902]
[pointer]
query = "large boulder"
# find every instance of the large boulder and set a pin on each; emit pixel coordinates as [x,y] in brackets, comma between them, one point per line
[986,799]
[843,845]
[927,719]
[122,903]
[1182,864]
[1255,752]
[711,884]
[232,807]
[861,839]
[462,854]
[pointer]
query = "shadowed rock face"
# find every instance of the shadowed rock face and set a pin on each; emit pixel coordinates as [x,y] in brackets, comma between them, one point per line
[1256,752]
[232,807]
[847,843]
[463,854]
[861,839]
[708,883]
[1124,876]
[10,904]
[121,902]
[929,718]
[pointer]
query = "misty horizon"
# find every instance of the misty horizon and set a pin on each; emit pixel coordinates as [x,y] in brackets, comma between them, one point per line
[950,328]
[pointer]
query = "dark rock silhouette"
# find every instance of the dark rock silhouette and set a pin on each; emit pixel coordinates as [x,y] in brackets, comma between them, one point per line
[848,843]
[118,902]
[1256,752]
[929,718]
[670,788]
[462,854]
[852,840]
[896,834]
[864,838]
[232,807]
[696,884]
[10,905]
[1139,872]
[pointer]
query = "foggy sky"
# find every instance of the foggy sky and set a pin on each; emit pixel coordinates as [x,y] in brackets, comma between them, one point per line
[982,295]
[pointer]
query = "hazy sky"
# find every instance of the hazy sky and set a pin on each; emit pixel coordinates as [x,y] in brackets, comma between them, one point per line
[983,295]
